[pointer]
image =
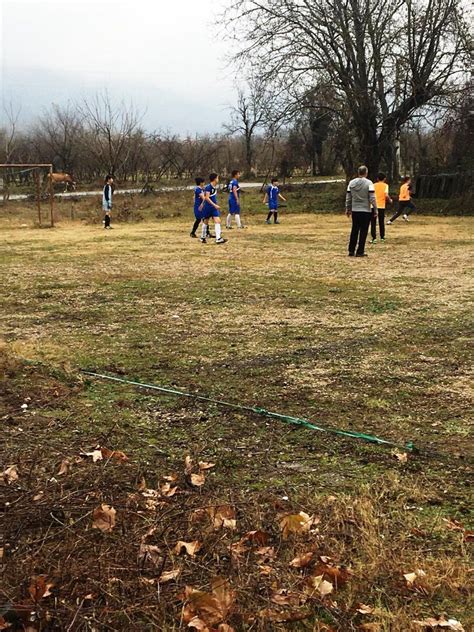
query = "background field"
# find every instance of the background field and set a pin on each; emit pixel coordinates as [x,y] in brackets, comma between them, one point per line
[278,318]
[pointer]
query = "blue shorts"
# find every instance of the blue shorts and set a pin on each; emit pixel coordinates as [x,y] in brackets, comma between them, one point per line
[210,212]
[273,208]
[234,208]
[198,214]
[106,207]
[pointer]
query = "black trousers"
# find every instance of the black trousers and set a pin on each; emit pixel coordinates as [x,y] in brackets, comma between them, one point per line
[373,224]
[404,208]
[107,220]
[360,228]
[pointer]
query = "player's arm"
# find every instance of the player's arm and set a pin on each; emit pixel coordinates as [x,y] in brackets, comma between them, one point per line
[373,202]
[265,198]
[281,197]
[235,190]
[208,199]
[201,195]
[348,202]
[388,198]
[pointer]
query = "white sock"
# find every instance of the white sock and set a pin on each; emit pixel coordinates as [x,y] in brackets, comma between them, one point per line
[237,219]
[228,221]
[204,231]
[218,232]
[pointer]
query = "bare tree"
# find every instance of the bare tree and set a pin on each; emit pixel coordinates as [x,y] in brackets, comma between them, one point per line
[249,114]
[385,59]
[111,127]
[10,118]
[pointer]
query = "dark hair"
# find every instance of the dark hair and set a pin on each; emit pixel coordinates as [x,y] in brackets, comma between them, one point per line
[199,181]
[235,172]
[406,178]
[381,176]
[274,180]
[108,176]
[213,176]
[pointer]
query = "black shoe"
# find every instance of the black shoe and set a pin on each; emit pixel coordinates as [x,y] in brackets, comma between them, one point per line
[193,235]
[228,227]
[364,254]
[351,254]
[203,240]
[210,235]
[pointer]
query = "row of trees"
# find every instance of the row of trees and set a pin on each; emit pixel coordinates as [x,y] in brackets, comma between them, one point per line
[332,84]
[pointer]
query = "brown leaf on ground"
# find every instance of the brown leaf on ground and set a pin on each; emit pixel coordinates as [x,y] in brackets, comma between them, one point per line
[284,597]
[203,465]
[167,490]
[142,484]
[3,624]
[116,455]
[103,518]
[171,478]
[39,588]
[210,608]
[64,467]
[10,475]
[266,552]
[150,553]
[188,465]
[38,496]
[337,575]
[362,608]
[319,585]
[442,622]
[169,576]
[223,516]
[264,569]
[191,548]
[416,581]
[95,454]
[453,525]
[370,627]
[468,536]
[296,523]
[259,538]
[199,515]
[282,617]
[303,560]
[198,480]
[400,456]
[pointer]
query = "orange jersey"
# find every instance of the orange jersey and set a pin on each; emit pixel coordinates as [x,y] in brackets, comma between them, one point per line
[381,192]
[405,195]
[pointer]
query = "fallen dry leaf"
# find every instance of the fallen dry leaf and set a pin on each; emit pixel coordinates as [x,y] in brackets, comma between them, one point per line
[370,627]
[39,588]
[169,576]
[95,454]
[167,490]
[10,475]
[3,624]
[64,467]
[285,597]
[171,478]
[442,622]
[142,484]
[411,578]
[223,516]
[400,456]
[116,455]
[103,518]
[264,569]
[188,465]
[303,560]
[362,608]
[150,553]
[191,548]
[267,552]
[38,496]
[320,585]
[205,466]
[259,538]
[198,479]
[296,523]
[210,608]
[337,575]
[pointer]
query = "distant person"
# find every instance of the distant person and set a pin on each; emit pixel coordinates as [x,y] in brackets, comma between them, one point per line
[211,209]
[405,205]
[272,195]
[361,205]
[107,200]
[382,197]
[234,201]
[198,205]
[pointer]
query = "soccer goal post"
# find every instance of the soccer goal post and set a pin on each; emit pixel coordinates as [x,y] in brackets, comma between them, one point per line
[8,173]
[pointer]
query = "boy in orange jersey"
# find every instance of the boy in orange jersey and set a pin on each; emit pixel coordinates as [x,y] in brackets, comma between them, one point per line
[382,197]
[405,205]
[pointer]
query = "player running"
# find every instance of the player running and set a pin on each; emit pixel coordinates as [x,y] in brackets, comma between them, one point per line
[405,205]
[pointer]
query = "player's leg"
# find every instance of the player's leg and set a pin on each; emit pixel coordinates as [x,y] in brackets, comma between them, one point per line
[197,221]
[204,229]
[217,225]
[275,217]
[228,221]
[373,229]
[382,223]
[364,223]
[354,234]
[107,219]
[401,209]
[409,208]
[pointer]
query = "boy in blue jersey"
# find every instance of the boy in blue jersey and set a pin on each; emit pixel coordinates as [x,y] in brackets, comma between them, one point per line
[198,204]
[271,196]
[211,209]
[234,201]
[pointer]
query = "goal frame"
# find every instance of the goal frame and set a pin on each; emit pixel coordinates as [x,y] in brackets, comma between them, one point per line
[36,166]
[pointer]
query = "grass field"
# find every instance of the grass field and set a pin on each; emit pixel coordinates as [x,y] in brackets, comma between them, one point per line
[279,318]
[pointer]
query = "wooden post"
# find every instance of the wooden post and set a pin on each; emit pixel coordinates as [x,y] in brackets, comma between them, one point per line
[51,195]
[38,196]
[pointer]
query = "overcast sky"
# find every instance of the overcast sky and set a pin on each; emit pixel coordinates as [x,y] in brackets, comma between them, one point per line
[168,56]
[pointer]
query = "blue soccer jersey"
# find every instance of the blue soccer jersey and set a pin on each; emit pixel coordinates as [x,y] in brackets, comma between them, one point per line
[272,193]
[198,192]
[234,205]
[209,210]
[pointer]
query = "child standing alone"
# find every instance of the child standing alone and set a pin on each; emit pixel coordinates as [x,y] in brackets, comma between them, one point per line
[107,199]
[272,195]
[382,197]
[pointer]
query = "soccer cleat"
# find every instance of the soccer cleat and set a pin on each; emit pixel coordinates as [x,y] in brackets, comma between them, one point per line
[193,235]
[203,240]
[405,217]
[389,222]
[267,221]
[374,241]
[364,254]
[351,254]
[229,227]
[277,222]
[210,235]
[383,240]
[221,240]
